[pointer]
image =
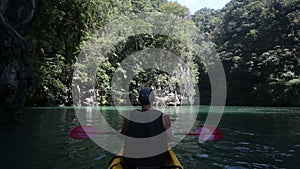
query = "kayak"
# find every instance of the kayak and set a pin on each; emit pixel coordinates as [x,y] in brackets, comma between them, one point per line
[171,163]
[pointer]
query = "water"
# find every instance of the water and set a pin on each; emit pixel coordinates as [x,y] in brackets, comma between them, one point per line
[255,137]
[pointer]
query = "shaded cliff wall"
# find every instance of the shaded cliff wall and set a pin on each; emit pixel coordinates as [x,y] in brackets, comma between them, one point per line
[15,72]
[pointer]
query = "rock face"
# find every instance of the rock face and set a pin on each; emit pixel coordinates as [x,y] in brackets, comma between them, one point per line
[15,72]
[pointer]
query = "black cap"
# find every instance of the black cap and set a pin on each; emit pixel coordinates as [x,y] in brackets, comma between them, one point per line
[146,96]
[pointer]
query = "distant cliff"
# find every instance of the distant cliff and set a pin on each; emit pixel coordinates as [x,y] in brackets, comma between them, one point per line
[15,72]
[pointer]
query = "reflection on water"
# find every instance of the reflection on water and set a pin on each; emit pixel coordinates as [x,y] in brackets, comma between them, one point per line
[260,137]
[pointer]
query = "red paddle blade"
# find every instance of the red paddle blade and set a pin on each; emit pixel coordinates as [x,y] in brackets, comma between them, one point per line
[208,133]
[84,132]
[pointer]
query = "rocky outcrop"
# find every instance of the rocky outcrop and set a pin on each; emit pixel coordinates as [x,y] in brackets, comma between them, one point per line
[170,99]
[15,72]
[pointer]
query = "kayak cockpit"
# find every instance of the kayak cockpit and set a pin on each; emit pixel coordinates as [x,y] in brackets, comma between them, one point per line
[171,163]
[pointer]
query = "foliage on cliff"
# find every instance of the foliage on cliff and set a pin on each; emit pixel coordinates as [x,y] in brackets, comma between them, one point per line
[258,42]
[60,31]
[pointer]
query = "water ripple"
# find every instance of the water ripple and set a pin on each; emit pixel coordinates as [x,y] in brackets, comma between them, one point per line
[257,165]
[242,149]
[202,155]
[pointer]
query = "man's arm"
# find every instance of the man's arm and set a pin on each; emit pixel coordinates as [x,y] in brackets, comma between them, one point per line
[167,125]
[125,127]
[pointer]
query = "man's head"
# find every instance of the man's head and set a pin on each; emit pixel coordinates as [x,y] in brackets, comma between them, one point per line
[146,96]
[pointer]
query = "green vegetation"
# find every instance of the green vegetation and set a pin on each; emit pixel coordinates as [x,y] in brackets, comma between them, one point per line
[257,41]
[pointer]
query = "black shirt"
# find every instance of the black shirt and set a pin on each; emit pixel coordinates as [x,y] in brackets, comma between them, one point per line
[151,138]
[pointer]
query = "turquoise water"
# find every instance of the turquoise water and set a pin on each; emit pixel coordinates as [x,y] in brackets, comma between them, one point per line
[254,137]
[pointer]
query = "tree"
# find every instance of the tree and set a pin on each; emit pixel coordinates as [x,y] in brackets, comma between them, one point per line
[176,9]
[207,19]
[256,33]
[58,34]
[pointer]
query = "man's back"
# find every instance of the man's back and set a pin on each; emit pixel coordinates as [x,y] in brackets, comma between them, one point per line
[150,132]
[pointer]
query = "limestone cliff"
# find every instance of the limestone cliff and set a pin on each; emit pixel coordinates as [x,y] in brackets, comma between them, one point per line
[15,72]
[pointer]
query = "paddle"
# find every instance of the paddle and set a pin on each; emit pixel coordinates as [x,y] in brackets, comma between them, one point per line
[85,132]
[206,133]
[202,133]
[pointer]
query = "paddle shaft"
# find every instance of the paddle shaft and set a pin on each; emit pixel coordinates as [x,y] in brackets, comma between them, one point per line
[194,133]
[110,132]
[85,132]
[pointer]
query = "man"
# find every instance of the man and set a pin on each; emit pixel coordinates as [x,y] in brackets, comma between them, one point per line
[144,124]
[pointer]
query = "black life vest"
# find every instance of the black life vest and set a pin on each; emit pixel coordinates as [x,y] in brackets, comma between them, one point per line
[150,127]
